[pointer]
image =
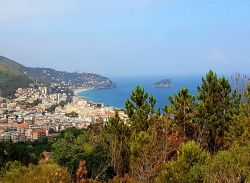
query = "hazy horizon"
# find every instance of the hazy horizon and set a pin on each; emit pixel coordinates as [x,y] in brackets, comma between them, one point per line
[128,37]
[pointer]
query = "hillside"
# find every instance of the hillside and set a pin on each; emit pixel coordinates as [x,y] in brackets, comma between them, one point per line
[14,75]
[47,75]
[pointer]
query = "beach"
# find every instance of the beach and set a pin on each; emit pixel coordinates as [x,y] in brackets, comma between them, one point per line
[79,90]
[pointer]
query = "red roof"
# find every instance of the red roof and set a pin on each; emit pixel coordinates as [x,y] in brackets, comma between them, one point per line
[22,125]
[38,131]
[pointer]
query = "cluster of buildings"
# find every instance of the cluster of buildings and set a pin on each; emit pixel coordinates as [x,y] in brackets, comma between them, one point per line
[29,117]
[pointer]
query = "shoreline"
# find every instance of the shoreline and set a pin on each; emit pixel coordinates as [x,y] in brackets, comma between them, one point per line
[79,90]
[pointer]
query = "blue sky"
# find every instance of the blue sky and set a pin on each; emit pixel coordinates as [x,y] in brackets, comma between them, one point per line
[128,37]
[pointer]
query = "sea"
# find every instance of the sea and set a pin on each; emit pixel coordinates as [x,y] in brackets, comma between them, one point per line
[116,97]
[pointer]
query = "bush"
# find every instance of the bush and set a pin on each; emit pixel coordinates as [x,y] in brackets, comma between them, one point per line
[44,172]
[229,166]
[188,167]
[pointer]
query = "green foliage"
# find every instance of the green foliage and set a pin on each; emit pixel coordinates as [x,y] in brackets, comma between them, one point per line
[247,93]
[63,103]
[44,172]
[12,76]
[24,152]
[188,167]
[229,166]
[11,171]
[203,140]
[182,109]
[10,81]
[239,131]
[139,107]
[115,136]
[74,145]
[151,149]
[72,114]
[52,108]
[35,103]
[213,111]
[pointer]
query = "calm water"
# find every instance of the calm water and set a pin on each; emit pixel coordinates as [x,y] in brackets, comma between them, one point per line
[117,96]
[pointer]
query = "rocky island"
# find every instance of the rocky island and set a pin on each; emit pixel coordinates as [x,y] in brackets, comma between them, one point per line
[163,83]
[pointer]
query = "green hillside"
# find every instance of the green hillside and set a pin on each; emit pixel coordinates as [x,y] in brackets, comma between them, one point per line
[12,76]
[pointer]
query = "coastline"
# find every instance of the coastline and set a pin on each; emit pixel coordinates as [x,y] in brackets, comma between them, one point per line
[79,90]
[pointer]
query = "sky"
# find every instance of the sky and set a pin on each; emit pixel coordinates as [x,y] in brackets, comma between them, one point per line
[128,37]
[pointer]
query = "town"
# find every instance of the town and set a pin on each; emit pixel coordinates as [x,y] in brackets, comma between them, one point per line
[39,112]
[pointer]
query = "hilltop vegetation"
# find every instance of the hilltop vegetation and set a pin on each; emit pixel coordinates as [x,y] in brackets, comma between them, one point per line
[14,75]
[203,138]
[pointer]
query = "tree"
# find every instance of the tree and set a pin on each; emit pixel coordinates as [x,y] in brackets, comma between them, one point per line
[24,152]
[188,167]
[153,139]
[239,82]
[74,145]
[213,111]
[115,135]
[72,114]
[239,129]
[152,148]
[182,109]
[246,99]
[139,108]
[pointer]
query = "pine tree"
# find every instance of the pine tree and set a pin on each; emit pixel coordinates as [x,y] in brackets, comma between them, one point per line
[139,107]
[213,110]
[115,136]
[182,109]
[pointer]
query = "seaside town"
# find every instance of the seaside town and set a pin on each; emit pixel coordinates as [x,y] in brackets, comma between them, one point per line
[41,112]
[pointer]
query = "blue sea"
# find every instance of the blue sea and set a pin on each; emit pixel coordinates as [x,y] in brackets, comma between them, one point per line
[116,97]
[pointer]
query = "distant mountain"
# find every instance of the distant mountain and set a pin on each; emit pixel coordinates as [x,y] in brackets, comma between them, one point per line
[14,75]
[47,75]
[163,83]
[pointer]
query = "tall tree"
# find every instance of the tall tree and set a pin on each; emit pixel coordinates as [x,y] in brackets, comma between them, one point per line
[182,109]
[139,107]
[239,130]
[213,110]
[115,135]
[152,148]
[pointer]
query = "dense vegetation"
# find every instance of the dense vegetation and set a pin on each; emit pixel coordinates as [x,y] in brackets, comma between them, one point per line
[12,76]
[203,138]
[24,152]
